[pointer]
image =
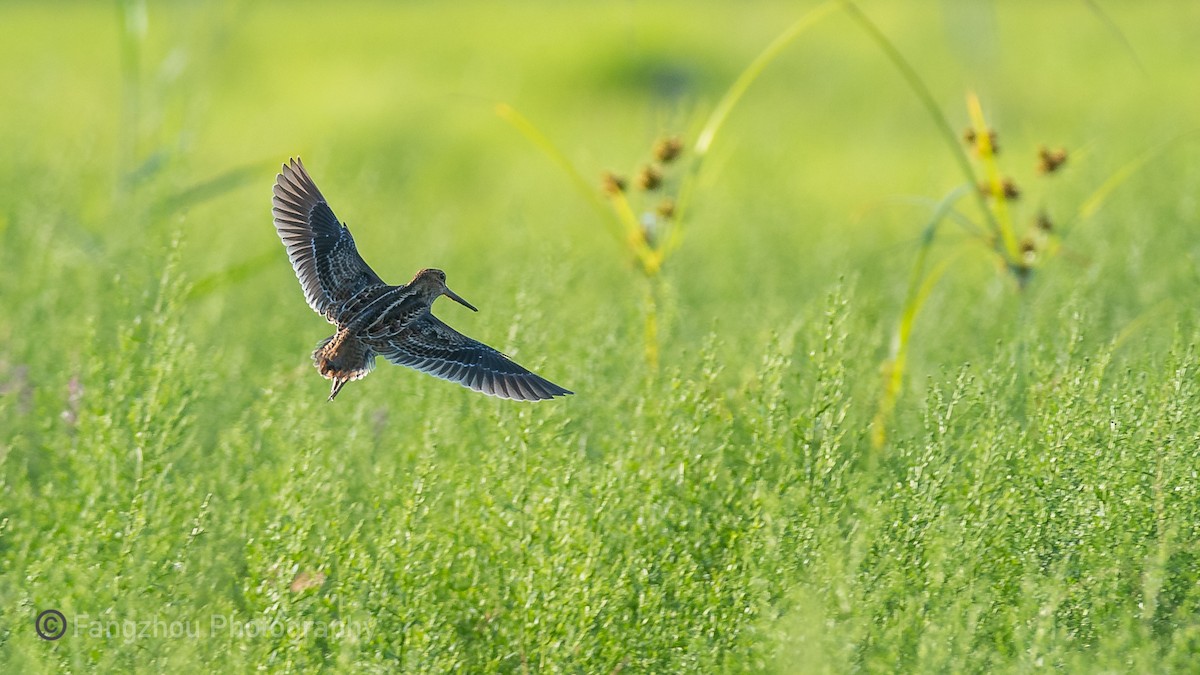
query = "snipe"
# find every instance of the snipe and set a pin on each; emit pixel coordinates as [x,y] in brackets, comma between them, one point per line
[373,318]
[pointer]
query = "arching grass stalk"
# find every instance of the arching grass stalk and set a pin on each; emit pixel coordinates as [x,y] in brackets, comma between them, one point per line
[646,214]
[918,86]
[530,131]
[1088,207]
[1117,33]
[735,92]
[620,219]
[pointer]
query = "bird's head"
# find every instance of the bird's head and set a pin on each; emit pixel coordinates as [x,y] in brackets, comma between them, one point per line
[432,283]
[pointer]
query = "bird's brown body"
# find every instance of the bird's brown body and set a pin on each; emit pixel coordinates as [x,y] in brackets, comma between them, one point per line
[376,319]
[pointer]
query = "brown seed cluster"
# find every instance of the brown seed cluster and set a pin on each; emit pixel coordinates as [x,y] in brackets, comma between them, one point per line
[1022,255]
[971,139]
[645,206]
[1008,188]
[648,178]
[611,183]
[1049,161]
[666,208]
[666,150]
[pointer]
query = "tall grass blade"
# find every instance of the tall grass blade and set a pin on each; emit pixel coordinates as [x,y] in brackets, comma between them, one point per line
[1141,321]
[1117,32]
[621,220]
[527,129]
[1094,201]
[987,154]
[927,100]
[650,335]
[735,92]
[730,98]
[920,285]
[231,275]
[209,189]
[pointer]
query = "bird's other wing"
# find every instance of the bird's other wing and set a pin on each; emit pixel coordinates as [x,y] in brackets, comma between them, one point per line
[321,249]
[431,346]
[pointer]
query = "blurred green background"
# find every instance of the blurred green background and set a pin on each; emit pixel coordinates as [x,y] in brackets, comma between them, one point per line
[154,342]
[391,106]
[115,111]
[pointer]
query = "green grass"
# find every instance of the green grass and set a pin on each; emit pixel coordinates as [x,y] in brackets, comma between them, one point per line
[168,461]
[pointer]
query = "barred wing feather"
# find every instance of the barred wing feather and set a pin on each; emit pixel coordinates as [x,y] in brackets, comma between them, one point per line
[320,248]
[431,346]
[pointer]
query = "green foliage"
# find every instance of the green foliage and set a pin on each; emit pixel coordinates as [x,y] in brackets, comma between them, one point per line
[175,483]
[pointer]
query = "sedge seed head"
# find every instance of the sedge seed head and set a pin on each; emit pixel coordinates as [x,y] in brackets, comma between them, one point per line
[1050,161]
[972,139]
[611,183]
[1008,188]
[648,178]
[666,208]
[667,150]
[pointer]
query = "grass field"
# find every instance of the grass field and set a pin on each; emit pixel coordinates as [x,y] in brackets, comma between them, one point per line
[175,484]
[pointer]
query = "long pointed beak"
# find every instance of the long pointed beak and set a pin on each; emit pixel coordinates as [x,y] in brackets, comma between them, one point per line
[455,297]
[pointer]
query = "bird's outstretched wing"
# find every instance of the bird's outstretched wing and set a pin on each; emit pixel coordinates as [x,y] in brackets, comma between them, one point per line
[431,346]
[321,249]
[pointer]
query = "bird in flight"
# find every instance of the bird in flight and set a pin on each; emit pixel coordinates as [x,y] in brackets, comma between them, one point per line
[375,319]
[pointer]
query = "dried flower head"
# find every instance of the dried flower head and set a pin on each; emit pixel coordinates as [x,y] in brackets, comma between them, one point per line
[1049,161]
[648,178]
[667,150]
[611,183]
[1043,222]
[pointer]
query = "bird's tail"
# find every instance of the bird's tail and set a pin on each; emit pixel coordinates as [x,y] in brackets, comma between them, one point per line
[342,357]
